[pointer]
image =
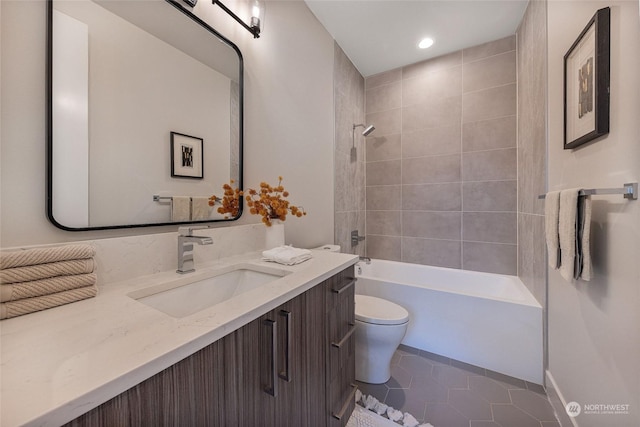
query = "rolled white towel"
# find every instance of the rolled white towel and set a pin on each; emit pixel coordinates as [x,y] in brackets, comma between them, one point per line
[394,414]
[409,420]
[287,255]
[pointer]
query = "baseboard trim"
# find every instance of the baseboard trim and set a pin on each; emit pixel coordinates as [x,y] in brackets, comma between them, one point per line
[561,414]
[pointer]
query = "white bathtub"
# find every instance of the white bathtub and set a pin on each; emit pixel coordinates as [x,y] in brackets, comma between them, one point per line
[487,320]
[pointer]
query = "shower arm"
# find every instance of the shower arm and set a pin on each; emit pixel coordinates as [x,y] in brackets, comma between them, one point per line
[366,132]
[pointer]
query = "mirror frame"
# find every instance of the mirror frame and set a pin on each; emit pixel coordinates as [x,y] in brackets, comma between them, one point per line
[49,126]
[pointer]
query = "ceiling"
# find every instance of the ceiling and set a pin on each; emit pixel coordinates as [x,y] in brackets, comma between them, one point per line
[380,35]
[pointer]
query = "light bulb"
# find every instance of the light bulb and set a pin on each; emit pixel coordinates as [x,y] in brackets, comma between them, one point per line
[425,43]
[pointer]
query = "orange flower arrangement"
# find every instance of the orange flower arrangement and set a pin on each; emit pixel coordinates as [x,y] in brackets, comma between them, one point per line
[230,201]
[269,202]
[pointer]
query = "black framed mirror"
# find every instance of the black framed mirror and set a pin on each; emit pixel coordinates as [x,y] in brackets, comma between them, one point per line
[144,115]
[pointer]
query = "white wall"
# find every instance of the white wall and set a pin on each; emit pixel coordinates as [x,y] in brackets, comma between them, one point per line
[594,338]
[288,119]
[70,112]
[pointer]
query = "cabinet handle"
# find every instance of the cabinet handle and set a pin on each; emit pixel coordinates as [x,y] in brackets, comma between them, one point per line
[346,403]
[286,374]
[345,287]
[273,390]
[344,339]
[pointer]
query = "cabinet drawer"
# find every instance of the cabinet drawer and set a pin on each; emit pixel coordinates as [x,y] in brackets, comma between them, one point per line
[339,285]
[342,390]
[341,333]
[340,306]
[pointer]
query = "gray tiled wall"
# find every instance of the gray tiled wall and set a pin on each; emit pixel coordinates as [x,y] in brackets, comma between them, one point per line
[532,148]
[348,163]
[441,167]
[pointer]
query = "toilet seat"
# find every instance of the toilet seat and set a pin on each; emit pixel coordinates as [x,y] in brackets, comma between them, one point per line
[379,311]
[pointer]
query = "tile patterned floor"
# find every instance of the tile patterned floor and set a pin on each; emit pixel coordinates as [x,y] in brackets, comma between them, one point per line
[448,393]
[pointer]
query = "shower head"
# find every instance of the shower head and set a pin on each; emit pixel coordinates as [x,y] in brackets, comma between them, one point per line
[368,129]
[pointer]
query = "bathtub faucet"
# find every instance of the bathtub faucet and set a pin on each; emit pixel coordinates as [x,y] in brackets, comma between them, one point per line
[366,259]
[186,239]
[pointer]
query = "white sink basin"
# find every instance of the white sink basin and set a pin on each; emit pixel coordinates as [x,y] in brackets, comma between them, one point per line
[196,292]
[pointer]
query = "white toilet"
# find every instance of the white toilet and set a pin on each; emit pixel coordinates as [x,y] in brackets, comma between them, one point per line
[380,327]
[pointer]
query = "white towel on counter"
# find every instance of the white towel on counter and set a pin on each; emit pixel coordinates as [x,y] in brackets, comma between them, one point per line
[180,208]
[287,255]
[551,211]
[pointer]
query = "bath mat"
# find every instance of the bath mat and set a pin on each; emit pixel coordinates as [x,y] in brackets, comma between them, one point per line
[370,412]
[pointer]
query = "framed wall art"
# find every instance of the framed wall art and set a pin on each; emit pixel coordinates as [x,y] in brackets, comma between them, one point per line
[186,156]
[586,83]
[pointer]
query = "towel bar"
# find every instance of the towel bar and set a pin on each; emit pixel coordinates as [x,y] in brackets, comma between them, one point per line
[157,198]
[629,191]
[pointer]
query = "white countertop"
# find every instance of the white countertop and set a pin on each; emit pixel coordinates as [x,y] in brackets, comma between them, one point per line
[58,364]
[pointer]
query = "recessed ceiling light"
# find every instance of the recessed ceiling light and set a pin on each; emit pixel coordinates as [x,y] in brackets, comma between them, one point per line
[425,43]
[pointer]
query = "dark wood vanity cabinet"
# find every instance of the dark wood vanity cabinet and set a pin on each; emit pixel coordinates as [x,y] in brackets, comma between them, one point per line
[279,370]
[293,366]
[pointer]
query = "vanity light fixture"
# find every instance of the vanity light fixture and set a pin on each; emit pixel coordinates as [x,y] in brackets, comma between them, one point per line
[425,43]
[254,26]
[256,14]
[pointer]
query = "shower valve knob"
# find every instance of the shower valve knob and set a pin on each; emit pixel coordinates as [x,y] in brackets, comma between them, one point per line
[356,238]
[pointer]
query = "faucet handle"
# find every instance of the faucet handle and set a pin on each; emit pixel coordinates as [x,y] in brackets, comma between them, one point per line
[189,230]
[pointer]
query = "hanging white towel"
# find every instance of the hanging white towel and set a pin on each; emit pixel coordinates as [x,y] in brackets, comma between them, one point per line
[287,255]
[551,211]
[200,209]
[584,269]
[567,225]
[180,208]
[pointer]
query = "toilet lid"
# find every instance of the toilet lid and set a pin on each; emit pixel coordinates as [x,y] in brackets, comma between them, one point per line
[379,311]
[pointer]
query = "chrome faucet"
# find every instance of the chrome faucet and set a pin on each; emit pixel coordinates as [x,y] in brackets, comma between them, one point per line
[366,259]
[186,239]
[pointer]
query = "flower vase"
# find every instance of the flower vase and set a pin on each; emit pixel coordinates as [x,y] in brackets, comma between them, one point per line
[275,234]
